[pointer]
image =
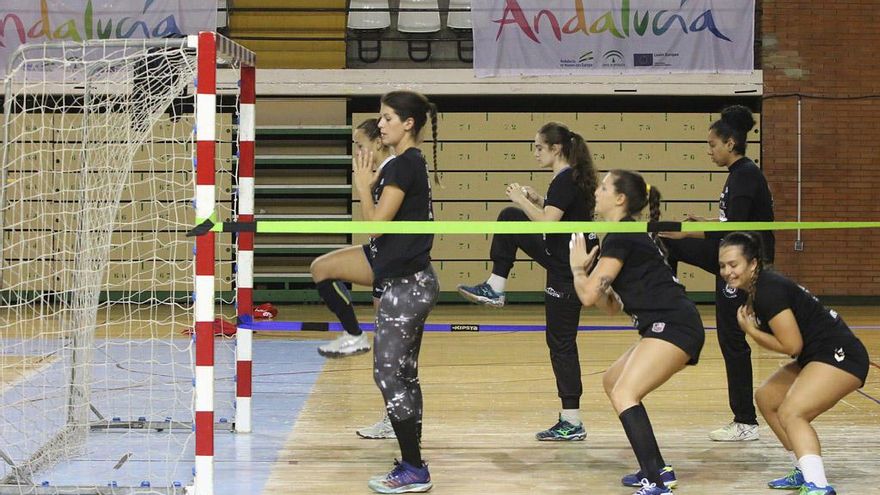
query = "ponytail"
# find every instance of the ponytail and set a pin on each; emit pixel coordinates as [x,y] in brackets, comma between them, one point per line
[584,173]
[639,194]
[432,113]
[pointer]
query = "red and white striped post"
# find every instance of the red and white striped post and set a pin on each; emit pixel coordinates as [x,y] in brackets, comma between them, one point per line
[245,256]
[206,109]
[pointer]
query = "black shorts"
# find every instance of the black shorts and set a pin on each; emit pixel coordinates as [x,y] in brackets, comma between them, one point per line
[848,354]
[377,289]
[685,337]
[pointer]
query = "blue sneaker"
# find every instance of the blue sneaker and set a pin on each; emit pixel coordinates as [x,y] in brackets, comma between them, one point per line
[792,481]
[404,478]
[562,430]
[811,489]
[667,476]
[649,488]
[482,294]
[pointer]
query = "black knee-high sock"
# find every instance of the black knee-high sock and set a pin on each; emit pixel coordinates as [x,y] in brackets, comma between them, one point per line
[409,439]
[641,436]
[338,299]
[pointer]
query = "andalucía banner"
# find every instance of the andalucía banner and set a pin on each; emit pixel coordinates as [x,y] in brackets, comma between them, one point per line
[37,21]
[585,37]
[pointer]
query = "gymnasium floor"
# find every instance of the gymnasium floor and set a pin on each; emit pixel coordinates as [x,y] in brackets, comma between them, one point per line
[486,394]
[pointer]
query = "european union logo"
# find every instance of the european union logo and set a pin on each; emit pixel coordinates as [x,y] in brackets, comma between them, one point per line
[643,59]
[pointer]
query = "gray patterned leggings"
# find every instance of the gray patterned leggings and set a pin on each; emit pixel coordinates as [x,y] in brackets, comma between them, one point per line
[400,322]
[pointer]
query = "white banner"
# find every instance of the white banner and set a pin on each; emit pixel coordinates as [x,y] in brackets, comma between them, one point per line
[584,37]
[37,21]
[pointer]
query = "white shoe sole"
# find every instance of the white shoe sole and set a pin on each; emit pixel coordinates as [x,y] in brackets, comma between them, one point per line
[342,354]
[376,437]
[493,303]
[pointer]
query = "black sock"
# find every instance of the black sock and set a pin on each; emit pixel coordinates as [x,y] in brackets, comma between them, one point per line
[407,432]
[641,436]
[338,299]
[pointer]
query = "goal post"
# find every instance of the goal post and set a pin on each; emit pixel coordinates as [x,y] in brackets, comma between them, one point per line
[113,150]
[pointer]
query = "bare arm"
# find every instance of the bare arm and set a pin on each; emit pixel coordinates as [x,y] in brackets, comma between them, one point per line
[362,177]
[535,211]
[594,288]
[786,337]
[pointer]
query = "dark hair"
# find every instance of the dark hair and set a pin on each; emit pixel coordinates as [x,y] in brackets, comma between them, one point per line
[752,249]
[409,104]
[370,128]
[735,123]
[639,194]
[576,152]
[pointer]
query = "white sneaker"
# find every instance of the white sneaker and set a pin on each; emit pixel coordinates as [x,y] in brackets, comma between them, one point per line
[380,430]
[735,432]
[345,345]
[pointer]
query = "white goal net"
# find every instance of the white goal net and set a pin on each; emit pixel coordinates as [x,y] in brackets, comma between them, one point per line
[97,274]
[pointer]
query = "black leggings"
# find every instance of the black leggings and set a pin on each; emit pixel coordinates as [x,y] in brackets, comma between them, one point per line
[731,339]
[562,308]
[400,323]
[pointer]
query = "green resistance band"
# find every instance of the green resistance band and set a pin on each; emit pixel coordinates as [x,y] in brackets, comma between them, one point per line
[467,227]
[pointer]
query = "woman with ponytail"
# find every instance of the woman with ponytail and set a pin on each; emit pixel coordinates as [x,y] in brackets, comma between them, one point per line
[402,269]
[829,361]
[570,198]
[632,275]
[745,197]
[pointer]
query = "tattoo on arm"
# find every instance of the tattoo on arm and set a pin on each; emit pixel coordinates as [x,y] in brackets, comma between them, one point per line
[604,284]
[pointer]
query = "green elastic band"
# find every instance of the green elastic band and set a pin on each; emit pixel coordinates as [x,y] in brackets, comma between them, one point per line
[462,227]
[212,219]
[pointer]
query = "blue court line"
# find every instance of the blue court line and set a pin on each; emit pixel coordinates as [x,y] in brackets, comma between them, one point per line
[868,396]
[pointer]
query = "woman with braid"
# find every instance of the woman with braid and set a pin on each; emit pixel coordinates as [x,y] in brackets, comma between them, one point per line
[402,269]
[828,363]
[353,264]
[632,275]
[570,198]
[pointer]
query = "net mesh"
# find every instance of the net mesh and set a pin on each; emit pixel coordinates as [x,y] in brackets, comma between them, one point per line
[96,270]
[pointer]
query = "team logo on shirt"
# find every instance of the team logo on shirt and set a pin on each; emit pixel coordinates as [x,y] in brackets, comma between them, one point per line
[658,327]
[839,355]
[550,291]
[729,292]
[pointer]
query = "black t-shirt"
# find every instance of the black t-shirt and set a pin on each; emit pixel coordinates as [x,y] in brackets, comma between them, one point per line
[746,197]
[399,255]
[649,290]
[565,194]
[774,294]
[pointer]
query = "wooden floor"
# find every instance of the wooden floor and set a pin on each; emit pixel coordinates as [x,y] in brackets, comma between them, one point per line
[486,394]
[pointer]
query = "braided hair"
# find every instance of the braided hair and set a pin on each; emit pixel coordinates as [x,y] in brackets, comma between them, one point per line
[578,156]
[409,104]
[639,194]
[750,245]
